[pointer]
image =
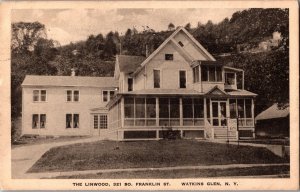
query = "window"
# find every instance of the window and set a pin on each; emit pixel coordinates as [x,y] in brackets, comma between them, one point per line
[130,83]
[43,95]
[129,107]
[193,111]
[103,121]
[229,78]
[107,95]
[211,73]
[232,108]
[72,95]
[35,121]
[156,75]
[69,95]
[72,121]
[42,120]
[39,95]
[180,43]
[100,121]
[182,79]
[169,112]
[111,95]
[140,111]
[96,121]
[242,108]
[168,57]
[38,121]
[196,72]
[204,73]
[76,95]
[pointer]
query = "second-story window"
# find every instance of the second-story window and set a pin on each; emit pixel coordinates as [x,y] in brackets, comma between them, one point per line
[169,57]
[72,95]
[230,78]
[39,95]
[196,73]
[182,79]
[211,73]
[107,95]
[156,78]
[130,83]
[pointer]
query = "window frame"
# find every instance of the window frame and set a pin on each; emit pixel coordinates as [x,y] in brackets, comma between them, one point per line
[108,95]
[195,72]
[169,57]
[154,79]
[72,120]
[38,123]
[72,95]
[39,95]
[128,78]
[234,74]
[179,79]
[208,68]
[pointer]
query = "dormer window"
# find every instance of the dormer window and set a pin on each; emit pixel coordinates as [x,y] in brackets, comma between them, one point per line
[168,57]
[180,43]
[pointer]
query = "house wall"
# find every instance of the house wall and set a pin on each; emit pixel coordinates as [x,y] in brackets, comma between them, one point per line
[190,47]
[56,107]
[169,70]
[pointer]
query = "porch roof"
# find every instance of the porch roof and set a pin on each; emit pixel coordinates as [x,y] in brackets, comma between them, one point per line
[273,112]
[164,92]
[241,92]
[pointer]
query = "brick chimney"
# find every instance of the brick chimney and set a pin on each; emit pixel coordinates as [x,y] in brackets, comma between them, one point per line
[73,72]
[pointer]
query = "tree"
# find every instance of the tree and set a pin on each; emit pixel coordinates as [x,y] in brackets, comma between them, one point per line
[110,48]
[25,35]
[171,27]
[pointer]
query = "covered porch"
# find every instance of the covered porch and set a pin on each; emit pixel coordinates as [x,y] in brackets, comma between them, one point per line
[192,114]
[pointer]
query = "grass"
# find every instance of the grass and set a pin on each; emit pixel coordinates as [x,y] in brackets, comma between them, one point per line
[232,172]
[285,142]
[163,153]
[36,140]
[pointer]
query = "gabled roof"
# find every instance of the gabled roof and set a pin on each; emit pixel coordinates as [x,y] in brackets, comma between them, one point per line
[273,112]
[129,63]
[69,81]
[216,91]
[170,39]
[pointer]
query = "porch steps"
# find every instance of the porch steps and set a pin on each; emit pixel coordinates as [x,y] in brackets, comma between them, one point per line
[223,134]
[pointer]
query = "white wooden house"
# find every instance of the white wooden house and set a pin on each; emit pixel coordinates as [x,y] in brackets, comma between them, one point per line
[180,86]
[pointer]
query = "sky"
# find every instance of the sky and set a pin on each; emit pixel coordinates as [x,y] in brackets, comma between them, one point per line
[71,25]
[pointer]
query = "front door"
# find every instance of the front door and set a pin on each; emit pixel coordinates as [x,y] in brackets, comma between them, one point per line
[99,122]
[219,113]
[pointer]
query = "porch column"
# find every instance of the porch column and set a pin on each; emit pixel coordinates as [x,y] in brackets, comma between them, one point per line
[252,115]
[157,111]
[205,112]
[122,112]
[180,112]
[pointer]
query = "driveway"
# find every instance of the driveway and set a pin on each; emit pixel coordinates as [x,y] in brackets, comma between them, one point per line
[24,157]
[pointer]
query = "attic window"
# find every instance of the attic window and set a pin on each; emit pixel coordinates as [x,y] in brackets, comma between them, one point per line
[169,57]
[180,43]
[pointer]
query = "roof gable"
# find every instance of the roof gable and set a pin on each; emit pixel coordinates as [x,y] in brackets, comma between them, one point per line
[170,39]
[216,91]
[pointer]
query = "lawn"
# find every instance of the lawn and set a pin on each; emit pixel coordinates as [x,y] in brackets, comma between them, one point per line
[231,172]
[36,140]
[163,153]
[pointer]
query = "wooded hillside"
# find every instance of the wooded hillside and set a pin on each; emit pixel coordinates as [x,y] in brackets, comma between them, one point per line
[267,73]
